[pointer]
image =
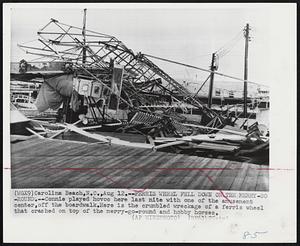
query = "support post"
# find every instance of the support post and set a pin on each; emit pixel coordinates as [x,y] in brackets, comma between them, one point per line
[246,34]
[211,85]
[83,34]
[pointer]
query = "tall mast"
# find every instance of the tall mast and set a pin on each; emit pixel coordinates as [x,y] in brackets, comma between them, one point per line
[83,34]
[211,84]
[247,39]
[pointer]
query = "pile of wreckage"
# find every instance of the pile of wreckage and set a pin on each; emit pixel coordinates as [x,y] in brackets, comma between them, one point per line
[98,85]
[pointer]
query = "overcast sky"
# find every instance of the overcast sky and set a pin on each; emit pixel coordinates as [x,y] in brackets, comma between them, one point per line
[185,33]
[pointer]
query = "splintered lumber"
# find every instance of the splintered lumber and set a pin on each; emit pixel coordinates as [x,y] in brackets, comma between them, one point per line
[59,132]
[204,138]
[64,130]
[216,147]
[234,128]
[35,133]
[168,144]
[242,133]
[110,140]
[48,124]
[87,134]
[217,137]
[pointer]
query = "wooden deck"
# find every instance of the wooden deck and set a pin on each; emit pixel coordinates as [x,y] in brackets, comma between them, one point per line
[44,163]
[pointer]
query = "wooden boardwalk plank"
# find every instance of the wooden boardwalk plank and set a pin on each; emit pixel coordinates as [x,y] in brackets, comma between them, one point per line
[239,179]
[42,163]
[251,178]
[211,175]
[262,183]
[227,176]
[196,177]
[176,177]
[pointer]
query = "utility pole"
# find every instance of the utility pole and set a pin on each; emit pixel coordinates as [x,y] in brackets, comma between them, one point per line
[212,68]
[247,39]
[83,34]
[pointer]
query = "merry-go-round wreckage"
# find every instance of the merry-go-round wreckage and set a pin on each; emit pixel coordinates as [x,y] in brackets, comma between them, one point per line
[103,93]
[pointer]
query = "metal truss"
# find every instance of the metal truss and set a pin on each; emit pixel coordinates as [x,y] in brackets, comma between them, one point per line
[92,54]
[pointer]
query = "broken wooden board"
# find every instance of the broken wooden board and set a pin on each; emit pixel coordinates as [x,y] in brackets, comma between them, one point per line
[216,147]
[110,140]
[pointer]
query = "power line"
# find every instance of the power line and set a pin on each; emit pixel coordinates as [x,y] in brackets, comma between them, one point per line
[204,70]
[231,41]
[224,51]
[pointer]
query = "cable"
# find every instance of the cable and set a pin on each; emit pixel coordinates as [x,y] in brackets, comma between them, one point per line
[224,52]
[205,70]
[230,42]
[201,86]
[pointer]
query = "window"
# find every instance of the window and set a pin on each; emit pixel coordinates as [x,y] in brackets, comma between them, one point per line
[96,89]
